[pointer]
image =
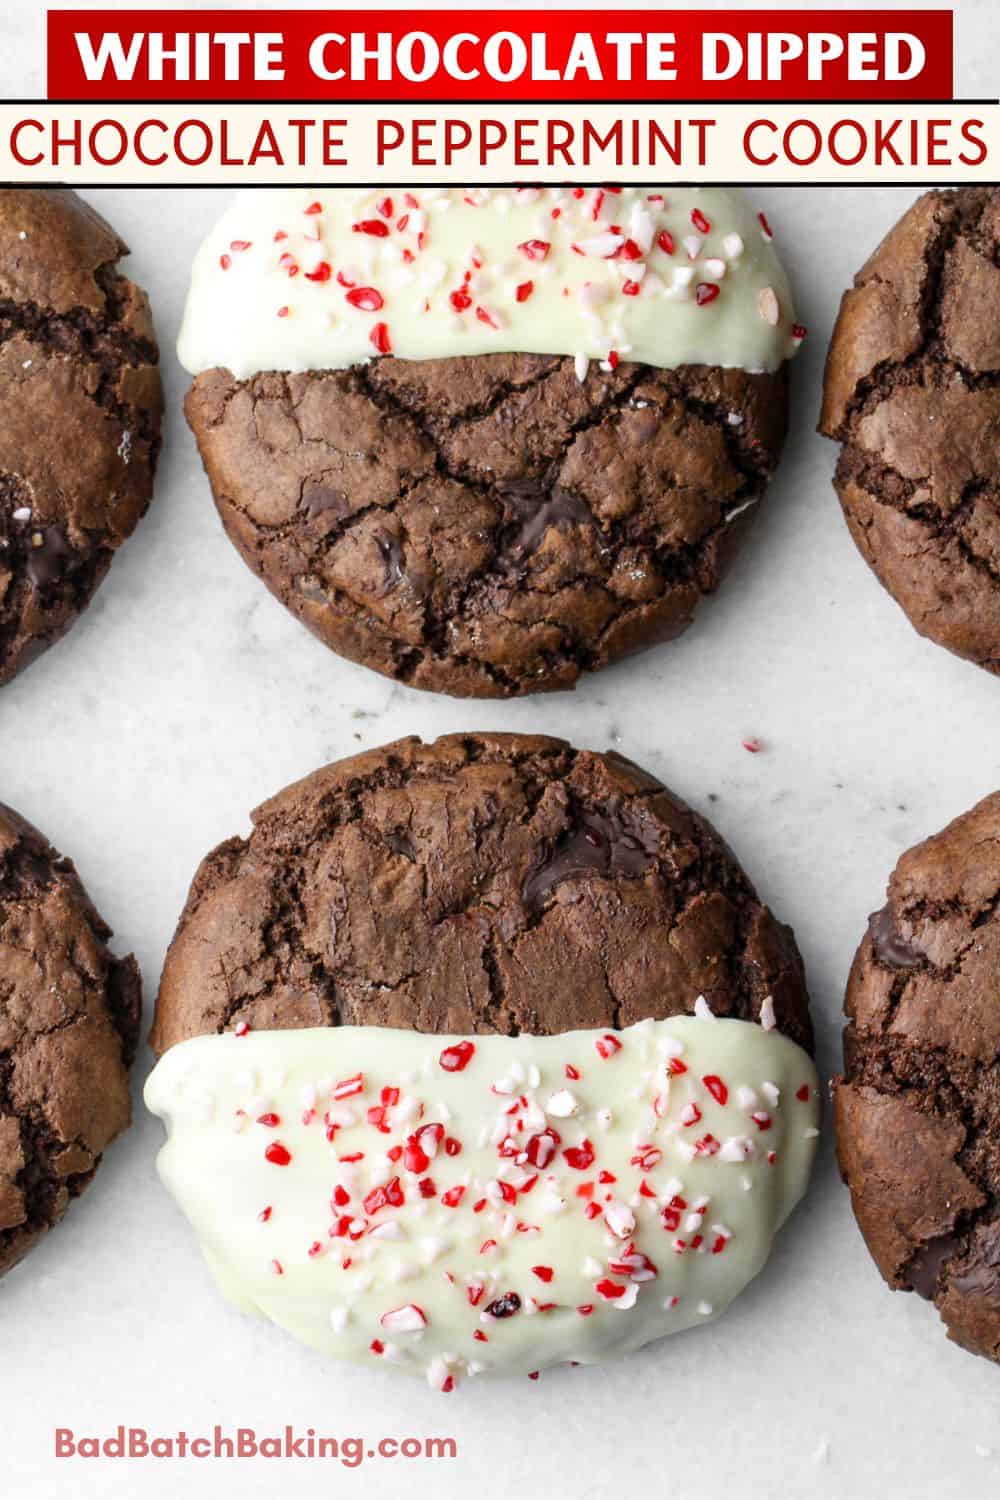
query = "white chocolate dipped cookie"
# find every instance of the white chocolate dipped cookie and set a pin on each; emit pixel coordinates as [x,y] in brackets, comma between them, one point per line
[485,441]
[383,1125]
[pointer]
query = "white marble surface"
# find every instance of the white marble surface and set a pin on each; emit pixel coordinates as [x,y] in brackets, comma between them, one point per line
[187,694]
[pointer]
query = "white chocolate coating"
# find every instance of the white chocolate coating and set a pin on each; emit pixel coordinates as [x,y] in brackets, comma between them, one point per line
[622,1185]
[323,278]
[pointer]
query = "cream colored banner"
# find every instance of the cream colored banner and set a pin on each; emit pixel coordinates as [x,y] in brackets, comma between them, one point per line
[185,145]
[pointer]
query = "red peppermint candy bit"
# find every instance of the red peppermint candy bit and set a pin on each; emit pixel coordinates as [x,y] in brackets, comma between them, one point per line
[671,1215]
[485,316]
[283,312]
[690,1114]
[699,221]
[630,251]
[366,298]
[388,1196]
[802,1094]
[573,1074]
[379,338]
[525,290]
[240,245]
[314,208]
[452,1147]
[487,1246]
[394,1153]
[384,207]
[427,1188]
[592,1210]
[697,1242]
[277,1269]
[407,1319]
[453,1197]
[345,280]
[544,1273]
[315,1249]
[455,1059]
[322,272]
[241,1028]
[610,1290]
[352,1156]
[676,1066]
[585,1190]
[719,1244]
[761,1119]
[535,249]
[265,1214]
[288,263]
[706,292]
[707,1145]
[765,226]
[270,1120]
[645,1191]
[645,1157]
[376,1116]
[772,1157]
[665,240]
[607,1045]
[613,358]
[415,1158]
[279,235]
[480,1336]
[225,261]
[277,1154]
[580,1157]
[606,1177]
[585,1309]
[377,1346]
[534,1374]
[716,1087]
[630,289]
[411,201]
[799,330]
[754,746]
[374,227]
[474,1292]
[542,1147]
[348,1086]
[460,300]
[341,1197]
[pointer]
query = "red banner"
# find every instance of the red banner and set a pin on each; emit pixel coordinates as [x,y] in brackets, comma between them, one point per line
[488,55]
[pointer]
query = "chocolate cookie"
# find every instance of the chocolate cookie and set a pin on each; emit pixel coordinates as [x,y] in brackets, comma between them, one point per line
[79,414]
[482,883]
[918,1110]
[405,445]
[69,1023]
[913,392]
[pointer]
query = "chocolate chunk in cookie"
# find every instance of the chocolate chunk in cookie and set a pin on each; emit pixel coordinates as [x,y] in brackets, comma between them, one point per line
[482,883]
[913,392]
[918,1108]
[69,1023]
[79,414]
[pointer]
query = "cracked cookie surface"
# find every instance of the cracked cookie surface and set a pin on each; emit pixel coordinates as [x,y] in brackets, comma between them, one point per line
[481,883]
[489,525]
[80,406]
[912,390]
[69,1024]
[918,1110]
